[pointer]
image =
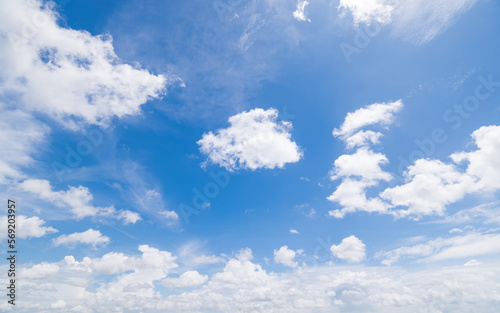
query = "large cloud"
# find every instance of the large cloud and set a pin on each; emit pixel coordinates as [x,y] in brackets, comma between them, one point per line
[254,140]
[133,283]
[68,74]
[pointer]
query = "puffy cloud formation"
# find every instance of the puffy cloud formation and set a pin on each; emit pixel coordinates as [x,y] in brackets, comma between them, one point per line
[133,283]
[68,74]
[351,249]
[286,256]
[254,140]
[362,169]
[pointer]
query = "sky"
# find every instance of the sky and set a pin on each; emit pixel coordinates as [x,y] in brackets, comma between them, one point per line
[251,156]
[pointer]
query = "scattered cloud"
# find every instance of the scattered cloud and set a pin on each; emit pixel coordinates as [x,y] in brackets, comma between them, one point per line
[351,250]
[300,14]
[286,256]
[89,237]
[294,231]
[254,140]
[367,11]
[28,227]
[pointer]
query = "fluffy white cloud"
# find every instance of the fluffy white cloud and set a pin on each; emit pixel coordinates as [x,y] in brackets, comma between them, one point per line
[376,113]
[89,237]
[187,279]
[351,249]
[244,286]
[368,11]
[286,256]
[77,199]
[27,227]
[483,163]
[254,140]
[362,169]
[68,74]
[431,185]
[300,14]
[364,164]
[465,246]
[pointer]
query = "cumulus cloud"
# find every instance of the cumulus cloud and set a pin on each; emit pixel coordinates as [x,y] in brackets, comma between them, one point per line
[187,279]
[300,14]
[255,139]
[244,286]
[89,237]
[376,113]
[286,256]
[465,246]
[351,249]
[77,199]
[68,74]
[362,169]
[28,227]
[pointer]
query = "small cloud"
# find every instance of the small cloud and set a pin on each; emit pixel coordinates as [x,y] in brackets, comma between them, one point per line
[294,231]
[300,14]
[90,237]
[351,249]
[472,263]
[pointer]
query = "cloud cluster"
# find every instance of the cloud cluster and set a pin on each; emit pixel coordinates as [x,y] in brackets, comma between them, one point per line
[255,139]
[429,186]
[89,237]
[351,249]
[137,283]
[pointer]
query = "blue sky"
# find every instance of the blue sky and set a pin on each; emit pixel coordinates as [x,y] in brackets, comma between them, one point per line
[252,156]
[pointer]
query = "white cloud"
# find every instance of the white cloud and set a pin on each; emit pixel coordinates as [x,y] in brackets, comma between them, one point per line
[172,216]
[77,199]
[469,245]
[20,136]
[89,237]
[244,286]
[431,185]
[362,169]
[364,164]
[68,74]
[286,256]
[351,249]
[254,140]
[294,231]
[300,14]
[187,279]
[377,113]
[28,227]
[367,11]
[418,21]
